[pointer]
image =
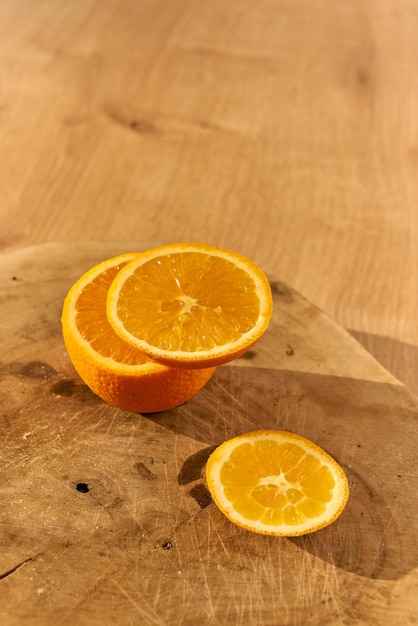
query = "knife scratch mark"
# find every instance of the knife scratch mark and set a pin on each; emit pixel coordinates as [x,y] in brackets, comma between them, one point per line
[111,423]
[201,560]
[143,608]
[230,395]
[220,538]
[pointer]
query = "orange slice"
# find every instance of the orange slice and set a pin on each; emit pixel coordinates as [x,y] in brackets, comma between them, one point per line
[190,305]
[114,370]
[276,483]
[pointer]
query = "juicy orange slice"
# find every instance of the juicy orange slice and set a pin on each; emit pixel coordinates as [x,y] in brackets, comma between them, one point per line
[190,305]
[276,483]
[114,370]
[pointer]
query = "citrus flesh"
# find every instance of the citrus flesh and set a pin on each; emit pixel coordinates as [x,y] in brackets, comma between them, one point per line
[113,369]
[276,483]
[190,305]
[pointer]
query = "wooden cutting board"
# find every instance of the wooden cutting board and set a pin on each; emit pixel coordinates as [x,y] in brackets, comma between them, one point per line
[105,517]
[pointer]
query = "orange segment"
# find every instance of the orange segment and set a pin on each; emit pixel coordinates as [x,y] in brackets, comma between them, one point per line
[276,483]
[190,305]
[113,369]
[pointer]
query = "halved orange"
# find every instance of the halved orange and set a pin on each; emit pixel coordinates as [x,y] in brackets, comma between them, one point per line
[114,370]
[190,304]
[276,483]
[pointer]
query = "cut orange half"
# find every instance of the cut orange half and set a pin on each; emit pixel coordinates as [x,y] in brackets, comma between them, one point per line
[190,305]
[276,483]
[114,370]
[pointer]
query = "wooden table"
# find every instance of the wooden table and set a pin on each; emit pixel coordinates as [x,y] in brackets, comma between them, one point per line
[286,130]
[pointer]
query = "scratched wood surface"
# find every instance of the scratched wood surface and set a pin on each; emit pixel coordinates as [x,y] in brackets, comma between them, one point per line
[105,517]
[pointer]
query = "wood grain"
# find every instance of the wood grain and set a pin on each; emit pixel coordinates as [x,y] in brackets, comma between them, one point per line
[284,129]
[105,515]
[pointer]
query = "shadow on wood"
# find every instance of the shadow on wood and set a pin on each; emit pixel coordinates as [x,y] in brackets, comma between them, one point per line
[368,427]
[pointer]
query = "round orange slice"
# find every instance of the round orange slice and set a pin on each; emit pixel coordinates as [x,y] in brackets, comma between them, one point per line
[276,483]
[190,305]
[114,370]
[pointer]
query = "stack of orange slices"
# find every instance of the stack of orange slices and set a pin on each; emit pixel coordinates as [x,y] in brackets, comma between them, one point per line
[145,331]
